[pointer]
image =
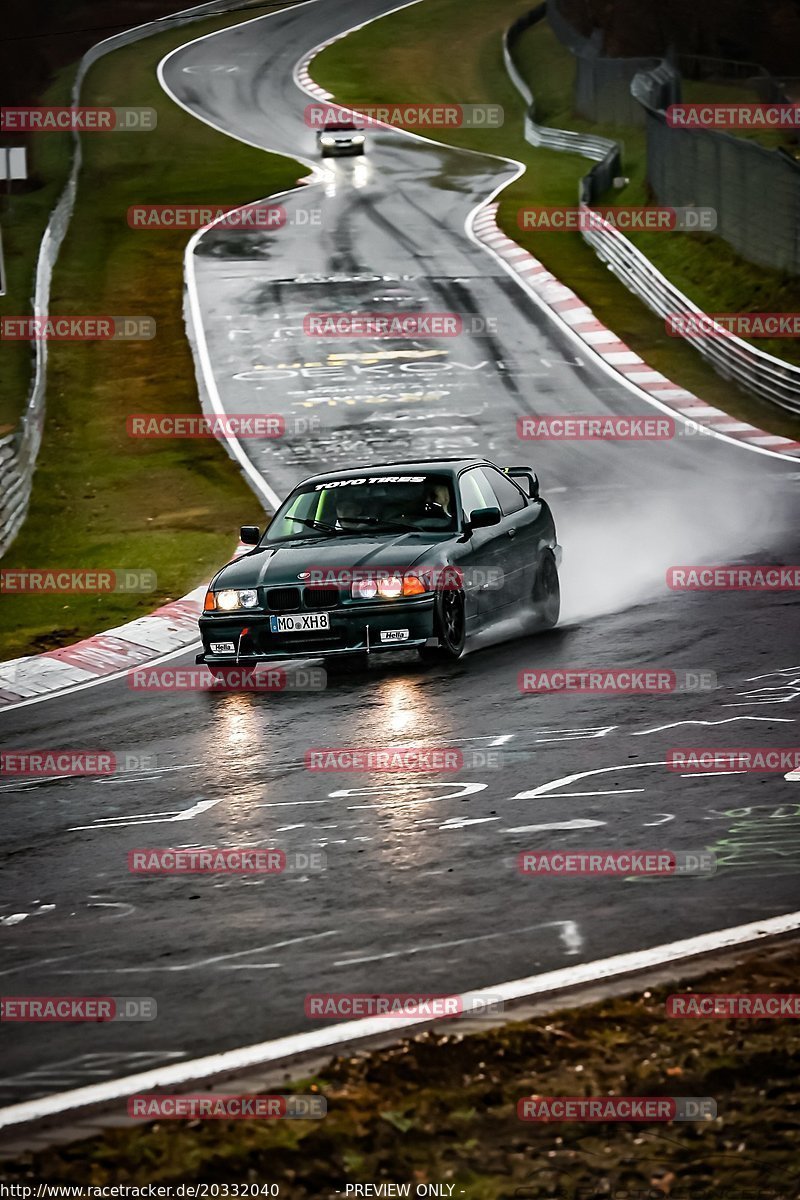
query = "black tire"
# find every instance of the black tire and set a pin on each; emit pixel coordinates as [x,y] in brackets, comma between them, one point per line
[450,623]
[547,592]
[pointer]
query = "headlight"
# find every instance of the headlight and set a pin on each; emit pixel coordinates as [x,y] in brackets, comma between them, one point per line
[229,600]
[390,588]
[364,589]
[357,139]
[328,141]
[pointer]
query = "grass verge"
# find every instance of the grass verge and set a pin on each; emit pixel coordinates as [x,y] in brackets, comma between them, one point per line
[441,1108]
[101,499]
[400,57]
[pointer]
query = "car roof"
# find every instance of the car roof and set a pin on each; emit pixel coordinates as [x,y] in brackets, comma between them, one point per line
[448,466]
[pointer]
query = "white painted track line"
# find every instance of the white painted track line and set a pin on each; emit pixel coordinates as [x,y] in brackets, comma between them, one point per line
[203,1070]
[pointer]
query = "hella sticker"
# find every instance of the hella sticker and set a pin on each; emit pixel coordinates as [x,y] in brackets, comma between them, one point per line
[394,635]
[222,648]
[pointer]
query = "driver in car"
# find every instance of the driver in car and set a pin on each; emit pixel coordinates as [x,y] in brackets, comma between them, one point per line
[348,511]
[432,505]
[437,502]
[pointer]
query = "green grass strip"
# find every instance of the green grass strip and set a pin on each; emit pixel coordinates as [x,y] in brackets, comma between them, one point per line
[102,499]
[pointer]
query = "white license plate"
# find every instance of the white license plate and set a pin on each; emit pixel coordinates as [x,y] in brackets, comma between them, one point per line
[223,648]
[300,623]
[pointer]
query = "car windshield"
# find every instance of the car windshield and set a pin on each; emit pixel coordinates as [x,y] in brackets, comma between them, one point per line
[369,504]
[340,127]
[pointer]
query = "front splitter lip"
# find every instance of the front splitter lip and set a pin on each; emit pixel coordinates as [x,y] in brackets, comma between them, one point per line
[358,624]
[252,660]
[343,150]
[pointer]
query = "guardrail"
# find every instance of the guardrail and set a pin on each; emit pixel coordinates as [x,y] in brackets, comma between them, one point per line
[19,451]
[759,373]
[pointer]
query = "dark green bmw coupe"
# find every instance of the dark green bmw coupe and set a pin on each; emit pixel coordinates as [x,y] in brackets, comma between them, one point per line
[386,557]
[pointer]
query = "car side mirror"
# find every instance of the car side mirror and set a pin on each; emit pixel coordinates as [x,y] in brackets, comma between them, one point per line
[479,518]
[249,535]
[533,486]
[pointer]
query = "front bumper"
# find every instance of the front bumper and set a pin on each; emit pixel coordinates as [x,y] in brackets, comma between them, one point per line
[353,629]
[342,149]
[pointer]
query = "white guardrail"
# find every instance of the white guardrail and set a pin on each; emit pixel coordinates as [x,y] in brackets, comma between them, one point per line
[760,373]
[19,450]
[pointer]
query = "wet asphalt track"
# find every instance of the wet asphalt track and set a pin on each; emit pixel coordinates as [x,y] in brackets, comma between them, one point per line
[421,891]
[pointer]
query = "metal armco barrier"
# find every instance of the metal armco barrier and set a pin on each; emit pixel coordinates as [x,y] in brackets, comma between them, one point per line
[762,374]
[755,191]
[589,146]
[18,451]
[602,85]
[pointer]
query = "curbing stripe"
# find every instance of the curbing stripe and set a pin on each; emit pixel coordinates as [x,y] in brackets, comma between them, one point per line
[567,305]
[161,635]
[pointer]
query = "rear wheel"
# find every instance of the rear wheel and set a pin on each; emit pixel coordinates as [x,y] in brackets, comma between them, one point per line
[547,592]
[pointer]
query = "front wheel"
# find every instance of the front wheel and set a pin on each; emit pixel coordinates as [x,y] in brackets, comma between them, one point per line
[547,592]
[450,625]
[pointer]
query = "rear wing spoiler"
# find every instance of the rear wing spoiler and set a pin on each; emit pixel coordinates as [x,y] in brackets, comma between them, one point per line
[529,475]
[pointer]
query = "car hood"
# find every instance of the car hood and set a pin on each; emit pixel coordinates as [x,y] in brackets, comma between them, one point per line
[280,565]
